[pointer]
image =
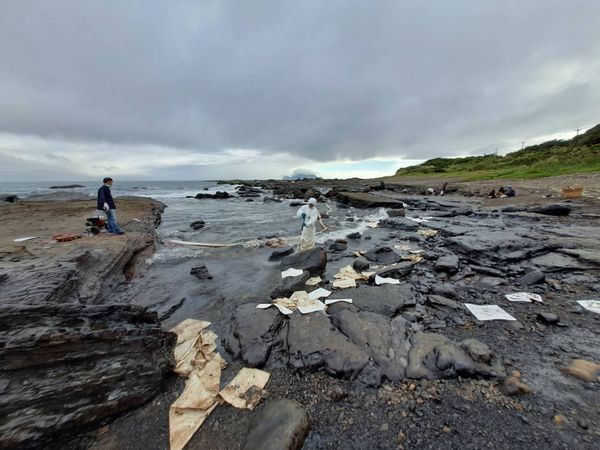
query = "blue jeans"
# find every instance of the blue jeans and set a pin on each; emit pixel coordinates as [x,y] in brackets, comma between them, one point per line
[111,221]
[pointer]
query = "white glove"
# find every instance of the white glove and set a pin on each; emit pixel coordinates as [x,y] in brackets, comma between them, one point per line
[106,208]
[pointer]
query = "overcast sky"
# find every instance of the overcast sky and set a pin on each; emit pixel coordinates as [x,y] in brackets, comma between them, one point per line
[256,89]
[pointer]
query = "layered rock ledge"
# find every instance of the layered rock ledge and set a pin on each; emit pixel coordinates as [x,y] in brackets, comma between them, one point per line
[72,358]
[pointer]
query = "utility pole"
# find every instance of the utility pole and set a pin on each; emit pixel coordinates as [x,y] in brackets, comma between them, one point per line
[522,145]
[577,130]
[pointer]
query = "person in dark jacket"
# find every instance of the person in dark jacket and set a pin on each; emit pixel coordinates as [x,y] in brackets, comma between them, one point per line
[107,203]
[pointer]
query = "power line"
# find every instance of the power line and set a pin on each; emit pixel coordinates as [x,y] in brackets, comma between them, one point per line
[577,130]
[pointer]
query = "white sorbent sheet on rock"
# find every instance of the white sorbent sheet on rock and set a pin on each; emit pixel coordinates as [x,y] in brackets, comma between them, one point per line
[335,300]
[488,312]
[291,273]
[590,305]
[420,219]
[311,306]
[23,239]
[319,293]
[381,280]
[525,297]
[282,309]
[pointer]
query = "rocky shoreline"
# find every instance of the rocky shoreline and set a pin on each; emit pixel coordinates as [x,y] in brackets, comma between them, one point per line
[405,365]
[73,354]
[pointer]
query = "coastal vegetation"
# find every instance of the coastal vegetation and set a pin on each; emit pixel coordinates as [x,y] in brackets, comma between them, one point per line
[557,157]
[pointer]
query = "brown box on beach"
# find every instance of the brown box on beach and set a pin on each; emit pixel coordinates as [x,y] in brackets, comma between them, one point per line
[572,192]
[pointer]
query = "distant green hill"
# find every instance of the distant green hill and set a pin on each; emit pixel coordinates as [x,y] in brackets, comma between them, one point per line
[557,157]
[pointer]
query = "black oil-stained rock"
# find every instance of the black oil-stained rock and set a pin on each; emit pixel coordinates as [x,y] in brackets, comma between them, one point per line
[552,210]
[288,285]
[548,318]
[398,212]
[387,299]
[360,264]
[197,224]
[201,272]
[399,223]
[314,343]
[10,198]
[447,263]
[75,366]
[440,301]
[435,356]
[281,425]
[383,255]
[279,253]
[252,332]
[314,260]
[339,245]
[533,277]
[216,195]
[365,200]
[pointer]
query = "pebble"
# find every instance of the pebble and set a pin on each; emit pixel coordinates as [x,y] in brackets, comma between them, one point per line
[559,420]
[401,437]
[548,318]
[335,393]
[384,427]
[512,386]
[458,321]
[524,419]
[583,369]
[516,325]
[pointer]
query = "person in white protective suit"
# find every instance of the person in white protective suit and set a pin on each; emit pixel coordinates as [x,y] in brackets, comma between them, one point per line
[309,215]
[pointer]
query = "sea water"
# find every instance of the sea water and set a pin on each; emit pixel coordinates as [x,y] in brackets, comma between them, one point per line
[238,272]
[232,220]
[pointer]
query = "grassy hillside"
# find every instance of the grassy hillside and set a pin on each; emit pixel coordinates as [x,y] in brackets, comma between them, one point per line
[558,157]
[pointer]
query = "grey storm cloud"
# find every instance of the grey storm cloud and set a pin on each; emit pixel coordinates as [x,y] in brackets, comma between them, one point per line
[323,80]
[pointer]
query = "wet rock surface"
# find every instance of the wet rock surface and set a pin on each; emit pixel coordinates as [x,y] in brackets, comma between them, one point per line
[314,343]
[552,210]
[357,343]
[201,272]
[9,198]
[288,285]
[364,200]
[216,195]
[420,330]
[74,365]
[400,212]
[197,224]
[360,264]
[387,300]
[447,263]
[279,253]
[467,393]
[252,334]
[383,255]
[71,357]
[67,186]
[314,260]
[533,277]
